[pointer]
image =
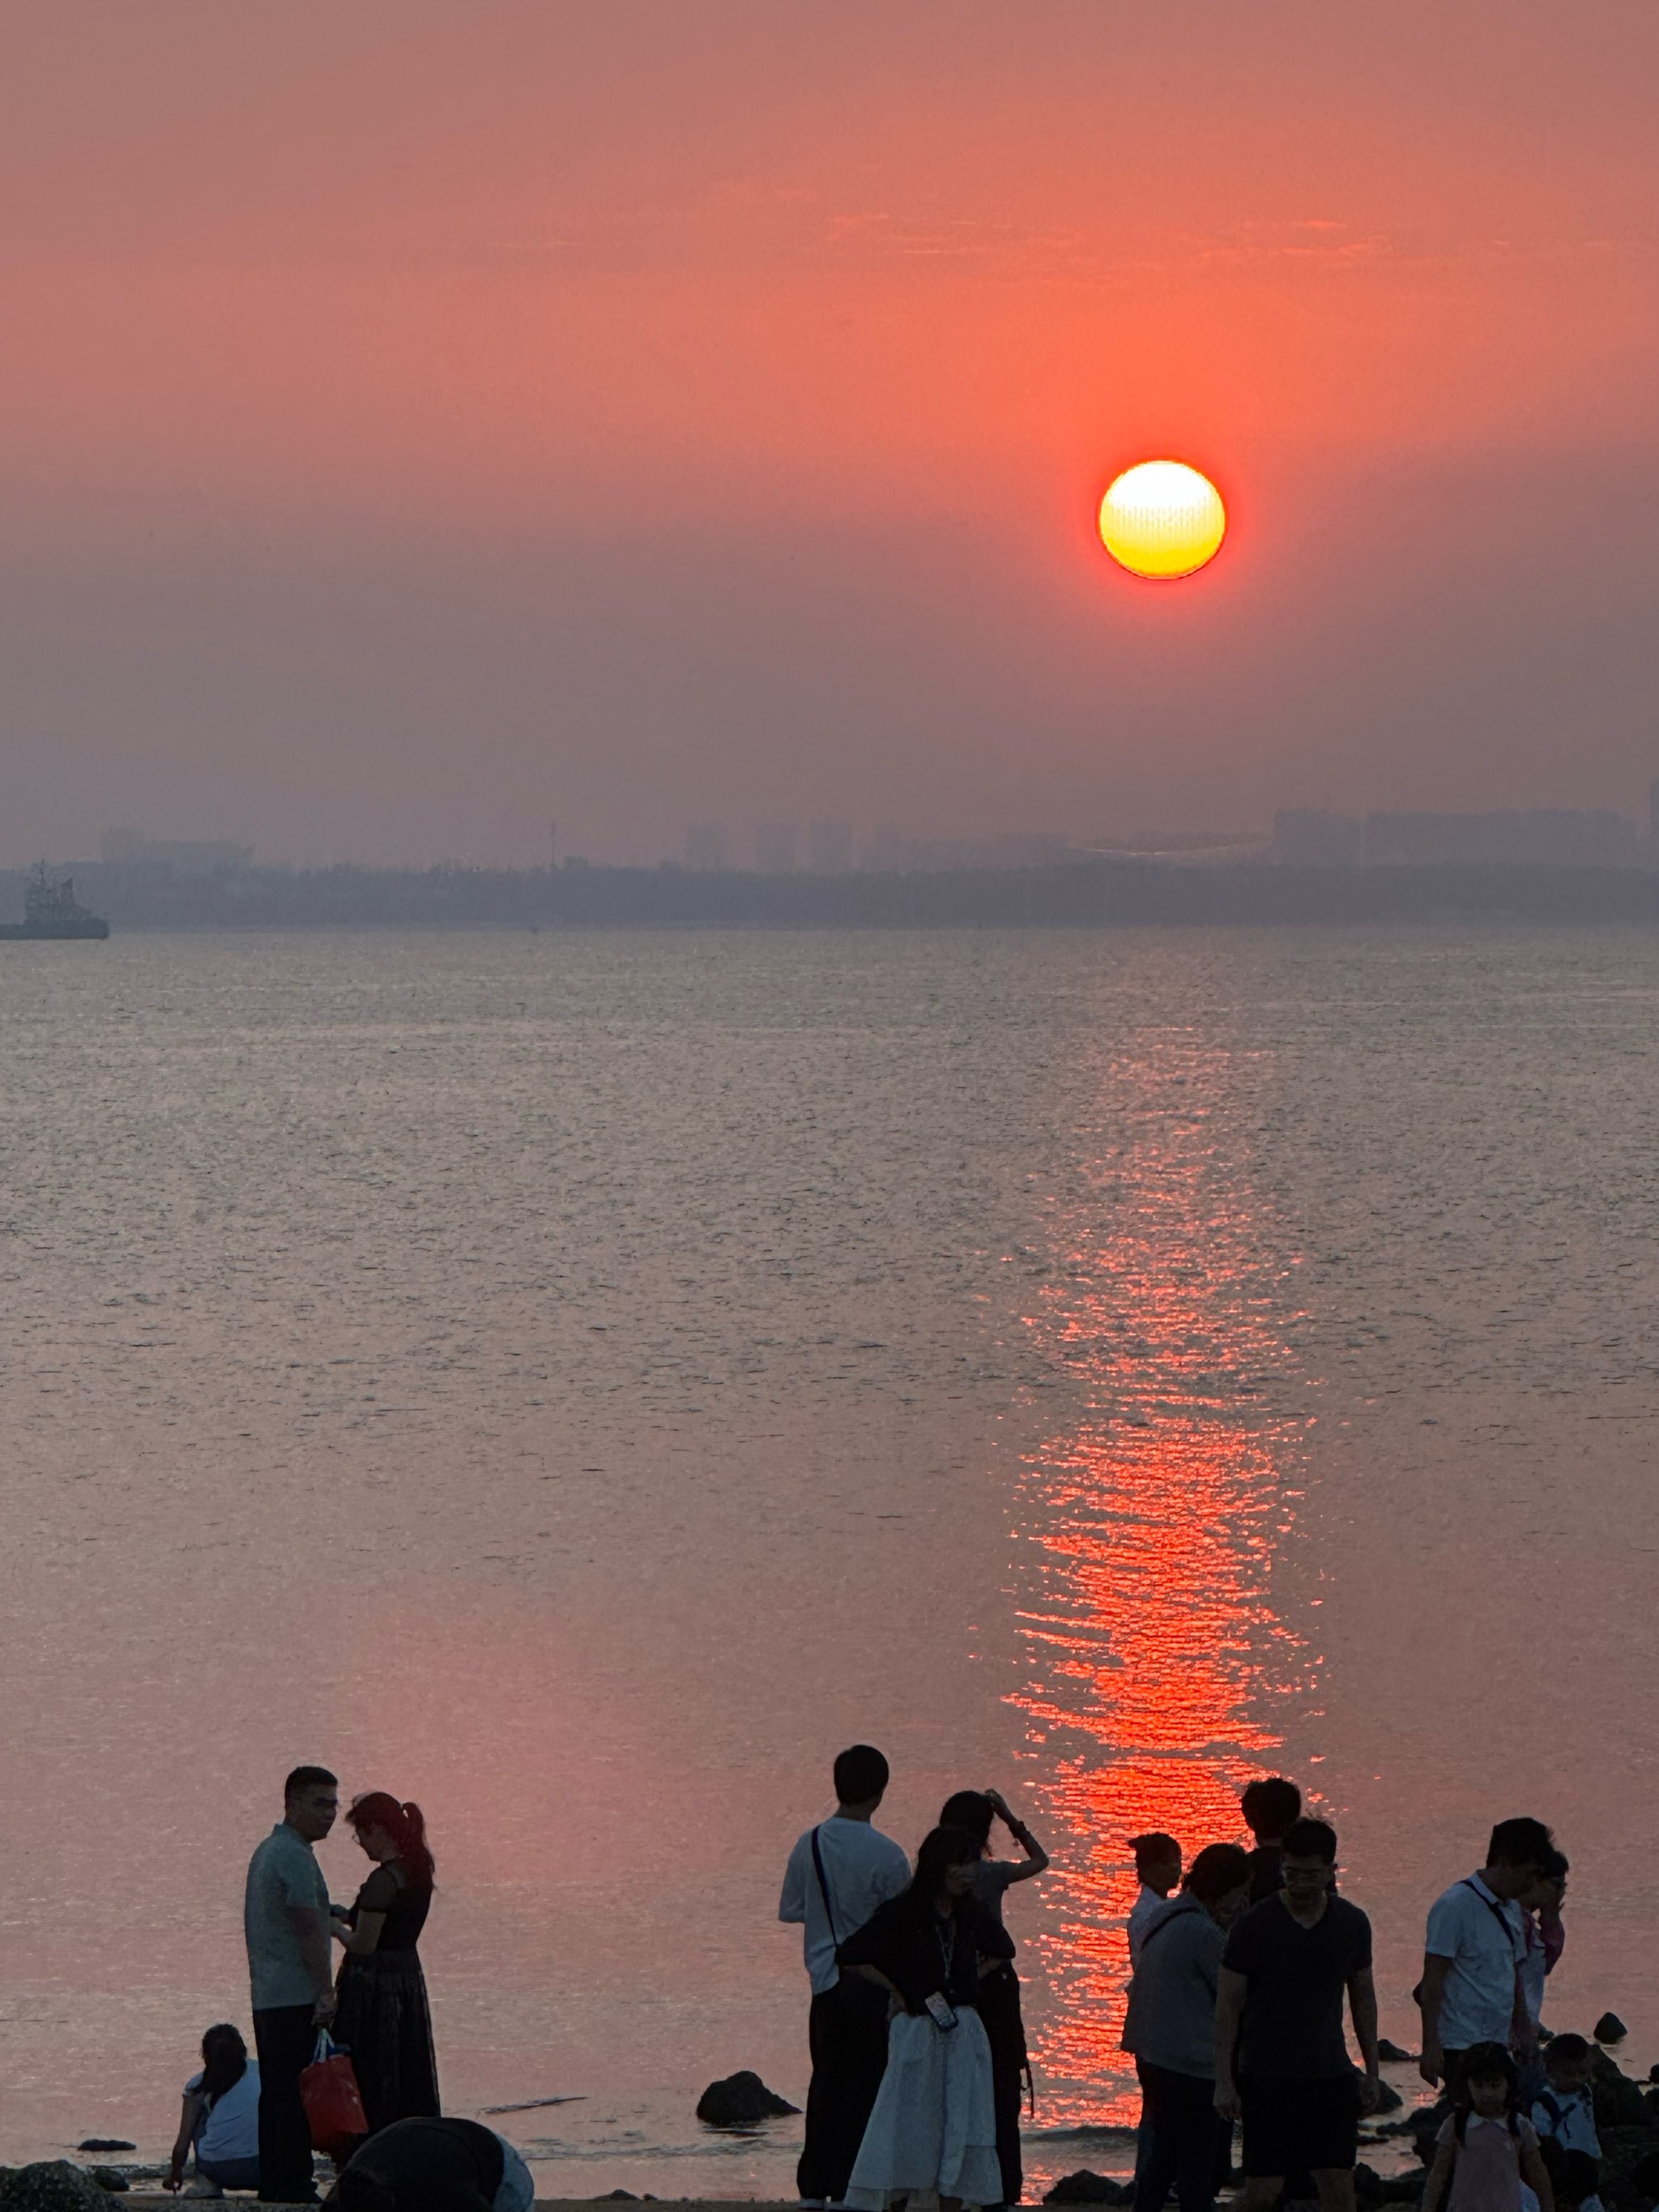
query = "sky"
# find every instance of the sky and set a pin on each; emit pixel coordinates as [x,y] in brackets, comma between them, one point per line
[422,423]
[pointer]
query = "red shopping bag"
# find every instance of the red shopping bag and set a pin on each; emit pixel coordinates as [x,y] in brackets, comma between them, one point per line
[333,2102]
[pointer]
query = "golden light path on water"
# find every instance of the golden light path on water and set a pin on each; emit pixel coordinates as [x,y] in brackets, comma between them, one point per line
[1147,1533]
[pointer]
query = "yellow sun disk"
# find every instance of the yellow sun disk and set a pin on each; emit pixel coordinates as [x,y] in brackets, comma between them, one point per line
[1162,519]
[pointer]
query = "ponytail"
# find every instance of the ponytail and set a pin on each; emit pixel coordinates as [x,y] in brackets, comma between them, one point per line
[406,1826]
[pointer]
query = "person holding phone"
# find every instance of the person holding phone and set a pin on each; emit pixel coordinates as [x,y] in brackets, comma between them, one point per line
[931,1949]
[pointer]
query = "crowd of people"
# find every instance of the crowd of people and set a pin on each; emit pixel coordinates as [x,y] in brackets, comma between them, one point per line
[1247,1967]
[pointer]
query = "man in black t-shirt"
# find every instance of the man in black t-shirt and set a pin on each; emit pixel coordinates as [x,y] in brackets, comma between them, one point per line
[1280,2057]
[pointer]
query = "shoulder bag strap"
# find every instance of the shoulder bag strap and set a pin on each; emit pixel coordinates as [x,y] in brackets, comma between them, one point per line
[1497,1914]
[824,1889]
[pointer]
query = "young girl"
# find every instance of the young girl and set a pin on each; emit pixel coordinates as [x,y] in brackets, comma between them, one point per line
[221,2117]
[1486,2150]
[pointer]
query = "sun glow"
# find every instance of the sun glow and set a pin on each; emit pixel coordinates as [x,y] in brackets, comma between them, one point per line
[1163,519]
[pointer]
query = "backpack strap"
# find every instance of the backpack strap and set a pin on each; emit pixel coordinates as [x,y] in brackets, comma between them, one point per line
[1547,2099]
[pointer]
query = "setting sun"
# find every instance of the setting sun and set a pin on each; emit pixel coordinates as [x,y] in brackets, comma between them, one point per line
[1162,519]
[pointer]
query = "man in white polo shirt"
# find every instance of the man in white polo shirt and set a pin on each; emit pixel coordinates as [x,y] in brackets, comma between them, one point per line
[1470,1991]
[838,1874]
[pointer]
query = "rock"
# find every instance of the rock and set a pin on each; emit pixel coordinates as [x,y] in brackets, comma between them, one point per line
[1393,2053]
[1609,2029]
[114,2183]
[1644,2176]
[619,2196]
[738,2101]
[1084,2187]
[105,2143]
[51,2185]
[1617,2101]
[1388,2099]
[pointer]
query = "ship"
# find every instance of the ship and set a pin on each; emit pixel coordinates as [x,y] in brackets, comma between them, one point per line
[52,909]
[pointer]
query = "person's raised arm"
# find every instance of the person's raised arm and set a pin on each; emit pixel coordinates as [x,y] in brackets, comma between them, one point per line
[188,2119]
[1228,2012]
[1362,2003]
[1036,1859]
[1432,1996]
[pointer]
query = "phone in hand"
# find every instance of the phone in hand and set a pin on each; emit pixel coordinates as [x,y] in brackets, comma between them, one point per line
[942,2011]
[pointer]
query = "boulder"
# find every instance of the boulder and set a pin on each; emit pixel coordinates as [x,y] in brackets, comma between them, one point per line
[1388,2099]
[1393,2053]
[1609,2029]
[1618,2102]
[111,2180]
[739,2101]
[1084,2187]
[105,2143]
[51,2185]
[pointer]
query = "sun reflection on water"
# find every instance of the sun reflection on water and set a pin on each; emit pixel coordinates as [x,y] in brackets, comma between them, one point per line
[1146,1534]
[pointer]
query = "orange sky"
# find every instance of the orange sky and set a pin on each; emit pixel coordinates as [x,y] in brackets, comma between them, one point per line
[416,421]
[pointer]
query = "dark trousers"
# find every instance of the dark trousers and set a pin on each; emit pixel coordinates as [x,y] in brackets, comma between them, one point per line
[1004,2030]
[847,2033]
[1186,2140]
[285,2036]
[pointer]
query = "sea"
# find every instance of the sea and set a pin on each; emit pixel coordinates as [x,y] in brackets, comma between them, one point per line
[580,1383]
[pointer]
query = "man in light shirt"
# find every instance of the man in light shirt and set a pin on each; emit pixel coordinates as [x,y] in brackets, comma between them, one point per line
[1471,1988]
[291,1966]
[1157,1868]
[838,1874]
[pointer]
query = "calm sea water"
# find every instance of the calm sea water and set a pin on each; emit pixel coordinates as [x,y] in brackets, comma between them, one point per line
[580,1383]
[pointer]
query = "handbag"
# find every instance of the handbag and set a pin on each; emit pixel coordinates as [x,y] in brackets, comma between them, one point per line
[333,2102]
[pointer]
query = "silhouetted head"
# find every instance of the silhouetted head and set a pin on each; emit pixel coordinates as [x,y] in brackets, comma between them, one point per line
[860,1775]
[970,1809]
[944,1868]
[1566,2061]
[387,1830]
[1489,2084]
[1549,1893]
[1516,1856]
[1269,1805]
[1157,1861]
[311,1799]
[1219,1878]
[224,2060]
[1307,1856]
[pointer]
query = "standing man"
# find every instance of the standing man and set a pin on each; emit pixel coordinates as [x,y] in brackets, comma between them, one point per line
[291,1966]
[838,1874]
[1470,1989]
[1279,2056]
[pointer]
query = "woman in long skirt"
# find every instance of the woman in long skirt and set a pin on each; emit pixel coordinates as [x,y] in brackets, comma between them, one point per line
[932,2133]
[383,2018]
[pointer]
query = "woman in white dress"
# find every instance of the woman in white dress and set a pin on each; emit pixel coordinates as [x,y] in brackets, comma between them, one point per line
[933,2136]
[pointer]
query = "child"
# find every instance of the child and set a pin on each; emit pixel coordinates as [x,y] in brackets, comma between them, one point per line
[1486,2150]
[221,2117]
[1565,2117]
[1158,1865]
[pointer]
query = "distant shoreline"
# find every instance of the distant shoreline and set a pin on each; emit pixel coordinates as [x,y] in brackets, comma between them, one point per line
[1094,895]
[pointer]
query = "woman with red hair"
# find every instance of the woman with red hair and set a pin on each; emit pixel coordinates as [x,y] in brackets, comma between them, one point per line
[383,2018]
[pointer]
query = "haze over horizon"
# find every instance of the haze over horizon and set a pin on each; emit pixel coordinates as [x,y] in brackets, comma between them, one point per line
[416,424]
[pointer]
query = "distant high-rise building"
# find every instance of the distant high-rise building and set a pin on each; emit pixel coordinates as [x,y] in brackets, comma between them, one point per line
[829,846]
[707,845]
[777,848]
[1313,837]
